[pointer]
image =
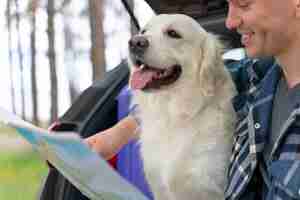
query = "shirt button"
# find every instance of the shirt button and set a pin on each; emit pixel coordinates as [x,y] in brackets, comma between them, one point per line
[257,125]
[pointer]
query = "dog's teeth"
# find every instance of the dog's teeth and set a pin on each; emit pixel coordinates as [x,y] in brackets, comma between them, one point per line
[142,66]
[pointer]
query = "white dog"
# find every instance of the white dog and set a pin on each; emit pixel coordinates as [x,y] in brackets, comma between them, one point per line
[184,94]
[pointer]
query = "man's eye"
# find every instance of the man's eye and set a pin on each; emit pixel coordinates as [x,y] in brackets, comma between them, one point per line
[173,34]
[243,4]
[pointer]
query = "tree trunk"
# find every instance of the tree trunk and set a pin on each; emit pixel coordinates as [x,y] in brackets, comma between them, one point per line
[52,60]
[33,64]
[11,69]
[21,58]
[97,38]
[70,57]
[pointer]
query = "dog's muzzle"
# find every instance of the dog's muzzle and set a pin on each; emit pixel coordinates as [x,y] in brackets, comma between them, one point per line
[145,76]
[138,44]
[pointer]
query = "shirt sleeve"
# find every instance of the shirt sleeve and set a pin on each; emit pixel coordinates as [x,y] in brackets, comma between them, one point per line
[285,182]
[285,168]
[134,111]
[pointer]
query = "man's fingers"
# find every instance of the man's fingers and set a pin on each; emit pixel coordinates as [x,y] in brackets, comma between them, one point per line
[90,141]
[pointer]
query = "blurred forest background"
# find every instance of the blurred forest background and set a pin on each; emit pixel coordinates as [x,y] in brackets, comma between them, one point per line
[54,49]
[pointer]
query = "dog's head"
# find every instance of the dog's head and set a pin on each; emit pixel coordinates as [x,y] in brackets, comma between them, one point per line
[171,49]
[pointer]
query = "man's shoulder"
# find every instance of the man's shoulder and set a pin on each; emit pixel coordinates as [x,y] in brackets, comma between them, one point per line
[248,71]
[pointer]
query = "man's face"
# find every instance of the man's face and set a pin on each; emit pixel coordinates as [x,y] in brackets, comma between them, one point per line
[266,26]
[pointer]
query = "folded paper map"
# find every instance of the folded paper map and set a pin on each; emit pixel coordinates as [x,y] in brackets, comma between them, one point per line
[68,153]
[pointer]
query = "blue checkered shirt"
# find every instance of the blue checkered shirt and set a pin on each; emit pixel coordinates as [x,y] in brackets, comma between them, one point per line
[256,82]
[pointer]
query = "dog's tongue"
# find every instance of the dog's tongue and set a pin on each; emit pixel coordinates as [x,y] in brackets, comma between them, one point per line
[140,78]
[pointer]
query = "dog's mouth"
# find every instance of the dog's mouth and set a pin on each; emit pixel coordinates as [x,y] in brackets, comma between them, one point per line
[148,77]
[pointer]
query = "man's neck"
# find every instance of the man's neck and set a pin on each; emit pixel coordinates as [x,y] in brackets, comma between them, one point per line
[290,63]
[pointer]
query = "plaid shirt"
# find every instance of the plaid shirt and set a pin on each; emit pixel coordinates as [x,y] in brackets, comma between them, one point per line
[256,83]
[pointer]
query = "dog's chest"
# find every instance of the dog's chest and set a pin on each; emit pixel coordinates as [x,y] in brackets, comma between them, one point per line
[178,151]
[177,158]
[159,166]
[163,158]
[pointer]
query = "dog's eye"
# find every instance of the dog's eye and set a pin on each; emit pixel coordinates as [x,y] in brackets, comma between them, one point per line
[143,31]
[173,34]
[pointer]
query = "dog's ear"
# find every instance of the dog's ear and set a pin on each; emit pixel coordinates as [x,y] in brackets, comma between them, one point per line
[211,69]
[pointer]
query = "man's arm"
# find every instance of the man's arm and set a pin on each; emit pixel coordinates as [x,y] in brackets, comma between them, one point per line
[109,142]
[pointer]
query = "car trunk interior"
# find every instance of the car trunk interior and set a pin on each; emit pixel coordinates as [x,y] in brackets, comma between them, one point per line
[210,14]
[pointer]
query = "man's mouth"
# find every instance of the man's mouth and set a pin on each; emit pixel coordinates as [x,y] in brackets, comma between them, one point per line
[148,77]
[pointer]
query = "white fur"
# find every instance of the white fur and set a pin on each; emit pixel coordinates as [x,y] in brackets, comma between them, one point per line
[187,127]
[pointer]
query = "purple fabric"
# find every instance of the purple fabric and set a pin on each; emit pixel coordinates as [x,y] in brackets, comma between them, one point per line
[129,162]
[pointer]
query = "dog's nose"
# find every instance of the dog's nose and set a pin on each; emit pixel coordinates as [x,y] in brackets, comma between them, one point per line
[138,44]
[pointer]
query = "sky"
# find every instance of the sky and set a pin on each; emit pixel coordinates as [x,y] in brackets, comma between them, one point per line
[116,49]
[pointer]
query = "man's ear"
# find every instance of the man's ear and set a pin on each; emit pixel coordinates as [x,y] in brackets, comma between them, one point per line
[297,8]
[211,65]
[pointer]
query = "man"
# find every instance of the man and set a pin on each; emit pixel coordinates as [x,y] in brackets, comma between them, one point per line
[268,153]
[265,162]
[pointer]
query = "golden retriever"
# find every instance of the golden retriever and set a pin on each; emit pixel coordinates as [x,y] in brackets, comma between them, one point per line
[184,95]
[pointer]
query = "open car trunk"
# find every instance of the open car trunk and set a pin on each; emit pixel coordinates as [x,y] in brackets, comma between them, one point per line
[96,108]
[210,14]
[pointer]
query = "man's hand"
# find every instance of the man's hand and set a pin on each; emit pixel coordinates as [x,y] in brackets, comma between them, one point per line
[104,144]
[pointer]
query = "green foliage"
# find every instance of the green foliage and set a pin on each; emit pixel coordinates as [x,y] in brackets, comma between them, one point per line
[21,175]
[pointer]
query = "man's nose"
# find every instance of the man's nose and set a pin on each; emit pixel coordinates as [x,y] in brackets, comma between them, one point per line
[233,19]
[138,44]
